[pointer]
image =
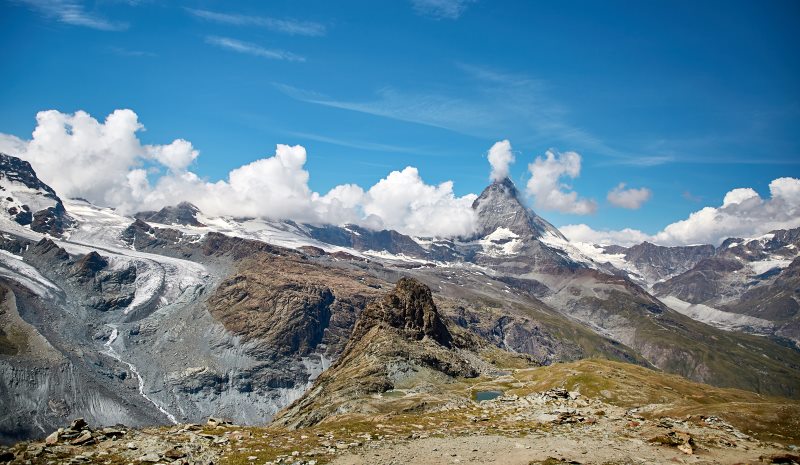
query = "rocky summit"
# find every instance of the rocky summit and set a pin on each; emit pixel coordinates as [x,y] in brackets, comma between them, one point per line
[173,336]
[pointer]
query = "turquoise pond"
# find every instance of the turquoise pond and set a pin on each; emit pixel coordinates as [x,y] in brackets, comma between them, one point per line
[487,395]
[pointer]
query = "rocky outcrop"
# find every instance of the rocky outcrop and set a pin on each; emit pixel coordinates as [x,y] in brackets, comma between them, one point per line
[398,340]
[409,309]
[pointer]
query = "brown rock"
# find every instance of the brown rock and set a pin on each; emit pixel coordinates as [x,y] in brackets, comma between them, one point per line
[78,424]
[174,454]
[84,438]
[53,438]
[217,422]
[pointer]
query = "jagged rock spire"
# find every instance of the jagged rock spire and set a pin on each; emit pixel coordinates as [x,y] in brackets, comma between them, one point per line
[409,308]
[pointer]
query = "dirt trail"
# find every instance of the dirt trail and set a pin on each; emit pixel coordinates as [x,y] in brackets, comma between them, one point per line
[501,450]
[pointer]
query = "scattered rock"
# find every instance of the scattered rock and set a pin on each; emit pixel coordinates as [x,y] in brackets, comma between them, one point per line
[151,457]
[78,424]
[684,442]
[174,454]
[84,438]
[212,421]
[113,433]
[54,437]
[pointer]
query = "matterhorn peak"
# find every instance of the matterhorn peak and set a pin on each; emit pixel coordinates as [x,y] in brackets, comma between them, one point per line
[500,206]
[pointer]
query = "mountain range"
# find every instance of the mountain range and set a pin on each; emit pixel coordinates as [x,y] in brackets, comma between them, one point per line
[173,316]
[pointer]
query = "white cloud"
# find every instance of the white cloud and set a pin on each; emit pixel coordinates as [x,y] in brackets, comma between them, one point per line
[285,26]
[743,213]
[441,9]
[500,157]
[106,163]
[252,49]
[176,156]
[737,196]
[72,12]
[631,199]
[404,202]
[584,233]
[547,190]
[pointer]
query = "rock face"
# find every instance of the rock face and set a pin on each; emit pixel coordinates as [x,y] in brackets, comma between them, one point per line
[656,263]
[28,201]
[293,309]
[365,239]
[183,214]
[397,340]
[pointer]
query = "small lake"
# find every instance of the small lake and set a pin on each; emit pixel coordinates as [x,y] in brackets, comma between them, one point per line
[487,395]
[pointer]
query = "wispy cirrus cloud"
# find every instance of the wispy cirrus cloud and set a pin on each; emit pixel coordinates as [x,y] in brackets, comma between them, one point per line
[73,13]
[492,103]
[361,145]
[250,48]
[428,109]
[441,9]
[124,52]
[284,26]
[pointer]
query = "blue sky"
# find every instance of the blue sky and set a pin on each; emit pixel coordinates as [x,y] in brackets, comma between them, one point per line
[687,99]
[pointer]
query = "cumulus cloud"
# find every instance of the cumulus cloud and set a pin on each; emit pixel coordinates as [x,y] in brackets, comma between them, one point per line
[631,199]
[500,157]
[545,185]
[106,163]
[403,201]
[743,213]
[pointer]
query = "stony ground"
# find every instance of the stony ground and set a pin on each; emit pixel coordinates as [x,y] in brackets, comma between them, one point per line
[549,427]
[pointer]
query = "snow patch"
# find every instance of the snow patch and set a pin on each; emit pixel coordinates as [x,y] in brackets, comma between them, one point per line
[762,266]
[574,253]
[502,241]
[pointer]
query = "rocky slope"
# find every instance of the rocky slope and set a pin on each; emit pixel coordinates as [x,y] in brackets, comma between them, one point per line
[748,285]
[587,412]
[655,263]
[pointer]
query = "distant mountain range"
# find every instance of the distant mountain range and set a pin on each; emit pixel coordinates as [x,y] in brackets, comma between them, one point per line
[173,316]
